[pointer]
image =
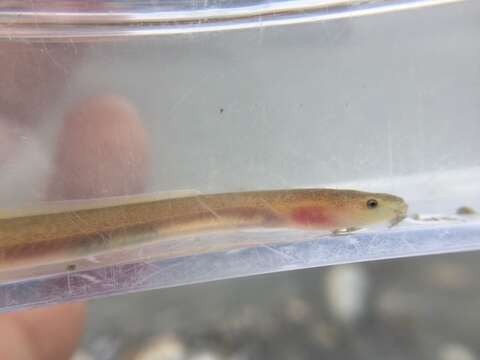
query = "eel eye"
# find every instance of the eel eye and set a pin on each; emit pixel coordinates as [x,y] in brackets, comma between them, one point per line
[372,204]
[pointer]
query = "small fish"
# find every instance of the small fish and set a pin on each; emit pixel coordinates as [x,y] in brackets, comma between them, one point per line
[59,233]
[466,210]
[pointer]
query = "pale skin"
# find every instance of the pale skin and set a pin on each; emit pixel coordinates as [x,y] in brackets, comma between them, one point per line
[31,84]
[53,332]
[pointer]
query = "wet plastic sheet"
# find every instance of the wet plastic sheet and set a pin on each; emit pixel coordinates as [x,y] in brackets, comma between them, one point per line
[396,109]
[275,250]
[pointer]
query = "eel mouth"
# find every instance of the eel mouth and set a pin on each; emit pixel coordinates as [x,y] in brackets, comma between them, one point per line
[397,219]
[400,215]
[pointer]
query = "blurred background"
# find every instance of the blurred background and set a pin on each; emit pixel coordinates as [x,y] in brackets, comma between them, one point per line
[418,308]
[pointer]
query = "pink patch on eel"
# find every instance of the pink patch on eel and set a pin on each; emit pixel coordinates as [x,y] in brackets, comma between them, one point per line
[312,216]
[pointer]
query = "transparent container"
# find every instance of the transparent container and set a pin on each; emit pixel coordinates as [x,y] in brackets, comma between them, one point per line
[113,98]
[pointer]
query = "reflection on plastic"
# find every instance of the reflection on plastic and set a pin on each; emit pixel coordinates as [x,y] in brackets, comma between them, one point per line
[58,19]
[289,255]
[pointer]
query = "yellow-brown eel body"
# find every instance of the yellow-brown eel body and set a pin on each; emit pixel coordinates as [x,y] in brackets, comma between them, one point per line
[84,231]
